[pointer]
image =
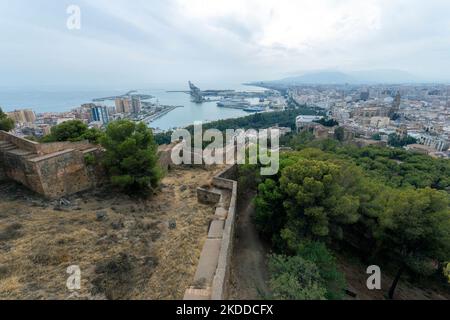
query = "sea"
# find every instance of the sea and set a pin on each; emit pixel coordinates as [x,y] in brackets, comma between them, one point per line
[61,100]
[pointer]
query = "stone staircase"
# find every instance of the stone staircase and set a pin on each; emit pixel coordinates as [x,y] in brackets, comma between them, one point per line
[8,147]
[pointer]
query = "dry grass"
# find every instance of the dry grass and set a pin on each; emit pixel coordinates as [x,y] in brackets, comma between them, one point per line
[133,254]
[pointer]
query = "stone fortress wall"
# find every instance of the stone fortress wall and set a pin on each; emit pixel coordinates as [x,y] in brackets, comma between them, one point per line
[53,170]
[211,278]
[58,169]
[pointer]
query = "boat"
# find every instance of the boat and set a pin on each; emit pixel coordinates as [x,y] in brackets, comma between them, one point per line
[233,103]
[254,109]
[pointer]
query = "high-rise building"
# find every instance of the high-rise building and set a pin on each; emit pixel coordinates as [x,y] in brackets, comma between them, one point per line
[127,107]
[100,114]
[23,116]
[124,105]
[136,104]
[119,105]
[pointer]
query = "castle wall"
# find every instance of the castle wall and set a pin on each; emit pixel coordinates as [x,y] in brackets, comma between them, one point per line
[53,170]
[18,169]
[19,142]
[212,276]
[62,173]
[219,289]
[48,148]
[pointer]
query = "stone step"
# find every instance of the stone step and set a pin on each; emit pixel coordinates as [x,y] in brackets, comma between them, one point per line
[20,152]
[5,144]
[8,148]
[31,156]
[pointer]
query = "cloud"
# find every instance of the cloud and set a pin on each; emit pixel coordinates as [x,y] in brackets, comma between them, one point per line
[150,42]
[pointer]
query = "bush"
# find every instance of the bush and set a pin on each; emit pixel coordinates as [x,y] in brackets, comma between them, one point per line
[333,280]
[294,278]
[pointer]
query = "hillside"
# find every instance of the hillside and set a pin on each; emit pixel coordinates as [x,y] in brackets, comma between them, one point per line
[126,249]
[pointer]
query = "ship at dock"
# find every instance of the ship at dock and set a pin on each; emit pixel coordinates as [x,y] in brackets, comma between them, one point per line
[255,109]
[234,103]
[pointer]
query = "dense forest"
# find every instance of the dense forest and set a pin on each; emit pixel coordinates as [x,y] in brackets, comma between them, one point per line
[386,206]
[255,121]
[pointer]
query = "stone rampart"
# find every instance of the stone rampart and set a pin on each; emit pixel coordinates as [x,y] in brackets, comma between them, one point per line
[211,278]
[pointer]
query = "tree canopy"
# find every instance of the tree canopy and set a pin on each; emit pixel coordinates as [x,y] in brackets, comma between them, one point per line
[73,130]
[255,121]
[6,123]
[398,141]
[131,158]
[414,230]
[386,204]
[294,278]
[310,274]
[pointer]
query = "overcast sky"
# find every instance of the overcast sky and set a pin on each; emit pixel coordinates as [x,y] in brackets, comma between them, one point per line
[150,42]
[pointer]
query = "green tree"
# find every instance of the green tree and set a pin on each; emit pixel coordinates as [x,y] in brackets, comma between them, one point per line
[255,121]
[131,157]
[414,230]
[269,216]
[93,135]
[377,137]
[301,139]
[72,130]
[294,278]
[447,271]
[6,123]
[332,279]
[339,134]
[327,122]
[398,141]
[317,204]
[249,177]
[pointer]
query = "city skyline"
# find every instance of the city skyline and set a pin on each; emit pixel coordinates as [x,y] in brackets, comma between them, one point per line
[169,42]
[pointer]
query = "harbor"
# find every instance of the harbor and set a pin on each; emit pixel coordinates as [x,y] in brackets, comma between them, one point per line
[170,109]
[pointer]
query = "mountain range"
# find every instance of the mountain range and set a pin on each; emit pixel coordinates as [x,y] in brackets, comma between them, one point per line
[354,77]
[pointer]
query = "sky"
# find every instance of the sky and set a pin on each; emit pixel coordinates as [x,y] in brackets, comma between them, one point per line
[155,43]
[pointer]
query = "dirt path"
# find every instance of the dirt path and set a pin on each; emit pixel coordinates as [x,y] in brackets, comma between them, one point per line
[249,273]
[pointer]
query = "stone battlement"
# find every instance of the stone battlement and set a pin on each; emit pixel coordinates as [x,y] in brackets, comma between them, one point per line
[56,169]
[53,170]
